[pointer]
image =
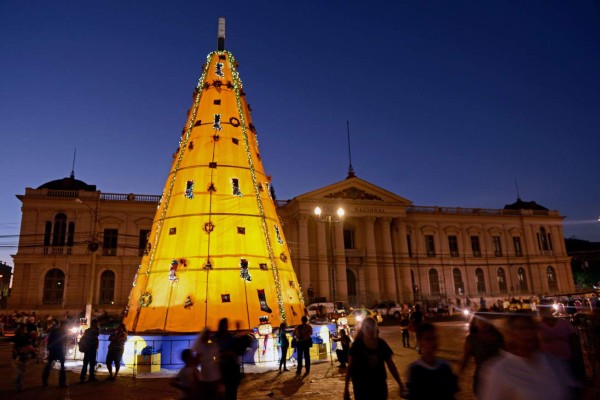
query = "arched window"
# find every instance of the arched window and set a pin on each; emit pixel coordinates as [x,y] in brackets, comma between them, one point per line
[501,276]
[107,287]
[54,286]
[434,282]
[522,280]
[551,276]
[60,230]
[480,281]
[459,287]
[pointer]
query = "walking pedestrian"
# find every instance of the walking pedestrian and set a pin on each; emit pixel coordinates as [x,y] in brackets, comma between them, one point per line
[414,322]
[405,331]
[22,351]
[88,345]
[523,372]
[344,350]
[483,343]
[188,377]
[303,335]
[369,354]
[56,352]
[430,377]
[116,347]
[284,345]
[228,359]
[210,379]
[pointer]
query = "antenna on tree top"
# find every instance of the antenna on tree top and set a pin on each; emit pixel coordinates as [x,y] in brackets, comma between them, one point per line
[221,35]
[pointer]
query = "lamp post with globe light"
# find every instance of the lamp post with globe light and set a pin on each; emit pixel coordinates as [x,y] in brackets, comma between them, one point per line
[329,220]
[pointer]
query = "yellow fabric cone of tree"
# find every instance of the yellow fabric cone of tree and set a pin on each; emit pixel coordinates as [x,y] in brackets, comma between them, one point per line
[216,248]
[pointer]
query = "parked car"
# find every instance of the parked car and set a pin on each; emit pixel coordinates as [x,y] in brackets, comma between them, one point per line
[389,309]
[356,316]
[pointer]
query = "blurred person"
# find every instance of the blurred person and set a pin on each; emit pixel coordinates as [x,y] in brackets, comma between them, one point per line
[56,341]
[88,345]
[342,352]
[229,353]
[414,321]
[303,335]
[559,338]
[430,377]
[483,343]
[22,351]
[284,345]
[405,331]
[116,347]
[209,379]
[369,354]
[187,379]
[522,372]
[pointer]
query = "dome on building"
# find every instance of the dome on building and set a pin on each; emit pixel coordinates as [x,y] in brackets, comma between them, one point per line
[524,205]
[69,183]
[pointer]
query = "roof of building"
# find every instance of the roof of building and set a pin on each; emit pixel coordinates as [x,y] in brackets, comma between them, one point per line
[69,183]
[524,205]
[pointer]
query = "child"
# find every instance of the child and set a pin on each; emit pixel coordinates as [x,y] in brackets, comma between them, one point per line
[430,377]
[188,378]
[404,328]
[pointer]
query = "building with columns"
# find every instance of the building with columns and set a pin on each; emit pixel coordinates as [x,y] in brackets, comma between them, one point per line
[386,248]
[79,246]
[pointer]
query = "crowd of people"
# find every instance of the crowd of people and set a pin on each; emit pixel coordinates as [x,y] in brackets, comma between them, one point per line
[524,355]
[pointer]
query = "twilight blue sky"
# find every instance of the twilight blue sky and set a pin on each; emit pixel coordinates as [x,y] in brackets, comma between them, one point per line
[449,101]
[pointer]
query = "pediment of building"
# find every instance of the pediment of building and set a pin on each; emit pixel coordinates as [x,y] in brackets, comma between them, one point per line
[353,189]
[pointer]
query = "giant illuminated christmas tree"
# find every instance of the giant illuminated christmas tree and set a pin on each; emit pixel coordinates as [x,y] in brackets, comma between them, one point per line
[216,248]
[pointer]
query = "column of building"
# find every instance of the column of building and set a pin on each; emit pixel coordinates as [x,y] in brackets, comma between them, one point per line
[341,283]
[303,254]
[371,273]
[323,264]
[403,280]
[387,264]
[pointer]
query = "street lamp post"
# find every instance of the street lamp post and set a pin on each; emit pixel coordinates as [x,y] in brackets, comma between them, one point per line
[92,246]
[329,219]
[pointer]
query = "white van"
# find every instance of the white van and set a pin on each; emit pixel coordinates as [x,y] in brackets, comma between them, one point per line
[328,308]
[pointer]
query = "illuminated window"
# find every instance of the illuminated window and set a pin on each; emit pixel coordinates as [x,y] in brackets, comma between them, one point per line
[434,282]
[475,246]
[54,286]
[453,245]
[430,245]
[480,281]
[109,246]
[501,276]
[107,287]
[551,277]
[459,287]
[523,287]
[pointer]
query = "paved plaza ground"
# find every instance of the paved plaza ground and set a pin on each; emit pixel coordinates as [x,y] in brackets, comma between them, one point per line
[325,381]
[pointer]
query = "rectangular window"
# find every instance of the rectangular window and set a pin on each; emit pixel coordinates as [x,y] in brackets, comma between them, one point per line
[409,244]
[517,246]
[550,242]
[453,245]
[349,239]
[143,239]
[109,246]
[430,245]
[497,246]
[475,246]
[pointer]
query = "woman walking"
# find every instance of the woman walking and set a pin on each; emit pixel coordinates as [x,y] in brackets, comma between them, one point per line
[368,357]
